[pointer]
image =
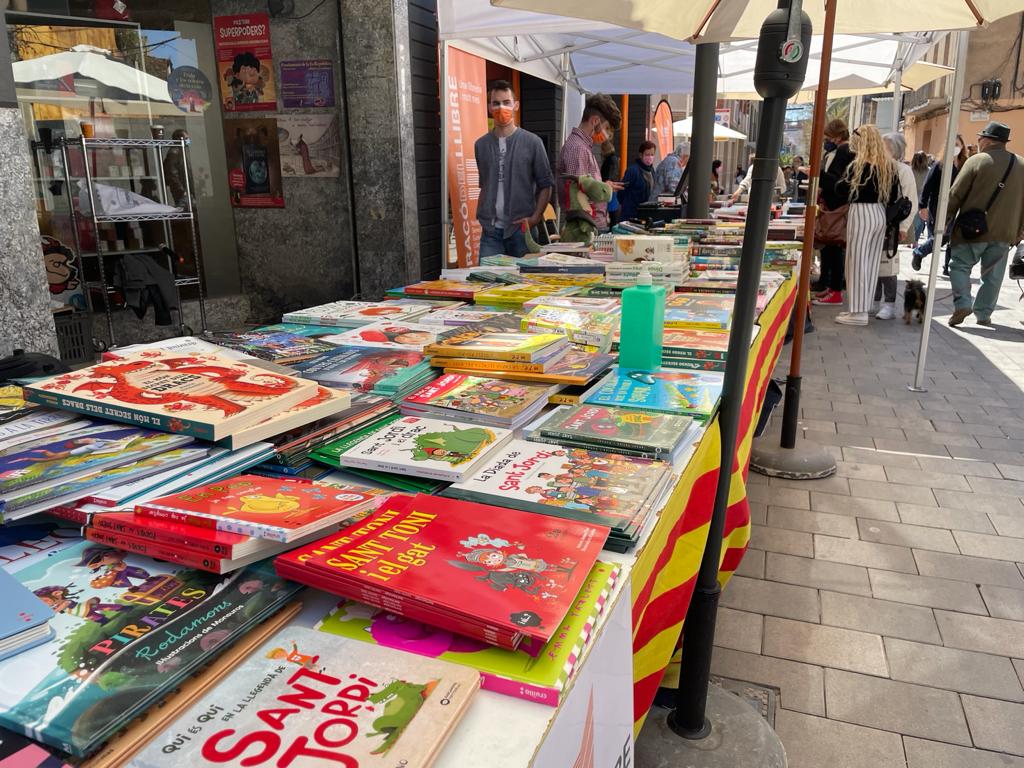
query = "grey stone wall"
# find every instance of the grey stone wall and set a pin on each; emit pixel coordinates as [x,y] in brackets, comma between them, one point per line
[25,318]
[302,254]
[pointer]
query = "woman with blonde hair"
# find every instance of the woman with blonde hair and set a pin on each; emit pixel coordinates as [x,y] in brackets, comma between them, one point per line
[867,185]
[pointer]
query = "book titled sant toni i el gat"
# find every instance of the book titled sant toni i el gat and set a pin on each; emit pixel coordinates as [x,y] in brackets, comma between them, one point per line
[128,630]
[205,396]
[689,393]
[304,699]
[497,575]
[539,673]
[263,507]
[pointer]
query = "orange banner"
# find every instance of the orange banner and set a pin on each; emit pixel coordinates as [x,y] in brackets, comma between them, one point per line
[663,129]
[467,121]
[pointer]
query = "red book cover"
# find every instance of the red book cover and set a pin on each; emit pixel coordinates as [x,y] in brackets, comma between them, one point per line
[169,533]
[263,507]
[178,555]
[508,569]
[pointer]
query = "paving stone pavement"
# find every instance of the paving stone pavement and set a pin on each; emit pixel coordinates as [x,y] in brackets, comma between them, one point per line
[887,602]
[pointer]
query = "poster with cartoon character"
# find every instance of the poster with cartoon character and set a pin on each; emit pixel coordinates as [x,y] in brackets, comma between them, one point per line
[245,64]
[62,275]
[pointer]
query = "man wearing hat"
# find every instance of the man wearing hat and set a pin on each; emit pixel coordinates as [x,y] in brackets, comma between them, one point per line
[991,182]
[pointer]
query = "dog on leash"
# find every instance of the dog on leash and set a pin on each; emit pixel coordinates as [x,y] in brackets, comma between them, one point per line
[914,297]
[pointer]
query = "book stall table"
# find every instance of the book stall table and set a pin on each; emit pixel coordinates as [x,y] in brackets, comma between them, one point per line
[639,629]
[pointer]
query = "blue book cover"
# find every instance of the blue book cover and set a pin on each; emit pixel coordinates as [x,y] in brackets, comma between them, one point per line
[23,619]
[301,329]
[693,393]
[129,629]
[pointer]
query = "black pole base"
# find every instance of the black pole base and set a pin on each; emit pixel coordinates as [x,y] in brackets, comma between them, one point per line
[790,411]
[688,718]
[681,730]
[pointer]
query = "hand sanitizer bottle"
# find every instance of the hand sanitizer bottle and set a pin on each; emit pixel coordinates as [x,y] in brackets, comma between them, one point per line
[643,324]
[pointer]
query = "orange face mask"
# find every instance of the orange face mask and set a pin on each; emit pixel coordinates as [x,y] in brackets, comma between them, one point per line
[599,137]
[502,116]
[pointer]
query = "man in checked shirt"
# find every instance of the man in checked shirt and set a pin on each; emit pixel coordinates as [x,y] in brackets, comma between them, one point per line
[601,116]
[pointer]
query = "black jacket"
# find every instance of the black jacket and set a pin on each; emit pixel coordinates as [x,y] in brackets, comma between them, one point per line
[828,179]
[930,190]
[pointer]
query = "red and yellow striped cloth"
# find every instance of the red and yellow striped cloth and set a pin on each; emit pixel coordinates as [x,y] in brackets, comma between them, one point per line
[665,573]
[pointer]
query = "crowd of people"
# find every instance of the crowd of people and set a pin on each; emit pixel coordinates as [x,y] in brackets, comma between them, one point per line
[870,200]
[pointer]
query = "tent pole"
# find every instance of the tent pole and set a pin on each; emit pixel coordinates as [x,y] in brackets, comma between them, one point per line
[443,67]
[897,98]
[776,80]
[702,129]
[810,461]
[955,98]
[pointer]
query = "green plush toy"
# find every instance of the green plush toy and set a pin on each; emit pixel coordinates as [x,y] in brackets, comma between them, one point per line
[579,225]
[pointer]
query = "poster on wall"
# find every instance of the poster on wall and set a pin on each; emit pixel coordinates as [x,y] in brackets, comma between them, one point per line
[467,121]
[245,65]
[310,145]
[62,276]
[190,90]
[307,83]
[254,162]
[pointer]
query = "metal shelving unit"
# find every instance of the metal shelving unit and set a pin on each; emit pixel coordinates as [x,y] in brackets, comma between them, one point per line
[157,146]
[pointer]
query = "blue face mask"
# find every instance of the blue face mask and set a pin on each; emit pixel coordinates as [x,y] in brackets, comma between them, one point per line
[830,145]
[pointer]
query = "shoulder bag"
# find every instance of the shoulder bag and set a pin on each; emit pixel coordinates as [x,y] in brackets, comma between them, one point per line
[830,224]
[973,223]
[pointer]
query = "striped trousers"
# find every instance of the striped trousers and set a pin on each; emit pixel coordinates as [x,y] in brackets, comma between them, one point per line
[865,231]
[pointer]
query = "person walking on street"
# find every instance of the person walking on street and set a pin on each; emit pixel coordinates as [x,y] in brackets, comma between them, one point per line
[601,116]
[867,185]
[986,205]
[929,204]
[889,264]
[515,177]
[838,157]
[920,165]
[638,182]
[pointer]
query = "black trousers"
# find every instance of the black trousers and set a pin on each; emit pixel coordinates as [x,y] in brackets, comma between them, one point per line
[833,267]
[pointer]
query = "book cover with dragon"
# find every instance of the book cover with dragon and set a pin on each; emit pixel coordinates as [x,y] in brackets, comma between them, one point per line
[204,396]
[539,673]
[689,393]
[617,428]
[263,507]
[574,483]
[304,699]
[129,630]
[504,568]
[422,447]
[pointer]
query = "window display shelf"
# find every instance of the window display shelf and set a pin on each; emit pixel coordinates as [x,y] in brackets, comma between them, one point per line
[130,143]
[119,218]
[121,252]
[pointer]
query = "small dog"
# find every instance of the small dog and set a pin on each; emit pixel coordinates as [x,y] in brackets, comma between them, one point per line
[914,297]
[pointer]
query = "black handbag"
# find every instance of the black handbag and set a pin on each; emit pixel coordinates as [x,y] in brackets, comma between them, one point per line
[896,210]
[973,223]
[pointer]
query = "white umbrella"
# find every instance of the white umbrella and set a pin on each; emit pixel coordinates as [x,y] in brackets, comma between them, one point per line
[89,65]
[685,128]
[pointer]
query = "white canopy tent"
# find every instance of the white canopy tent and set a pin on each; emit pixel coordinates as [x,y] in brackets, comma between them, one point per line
[685,128]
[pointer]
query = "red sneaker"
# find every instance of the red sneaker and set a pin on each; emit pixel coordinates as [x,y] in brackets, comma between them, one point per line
[829,297]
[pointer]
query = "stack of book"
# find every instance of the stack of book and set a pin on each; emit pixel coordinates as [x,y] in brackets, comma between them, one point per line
[687,393]
[492,574]
[204,396]
[583,304]
[445,289]
[502,346]
[301,329]
[304,417]
[388,335]
[387,372]
[276,346]
[353,314]
[478,400]
[661,436]
[464,316]
[224,526]
[699,310]
[587,330]
[416,447]
[512,297]
[560,263]
[539,673]
[603,488]
[24,620]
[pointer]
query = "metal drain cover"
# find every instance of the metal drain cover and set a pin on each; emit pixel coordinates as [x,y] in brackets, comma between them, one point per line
[763,698]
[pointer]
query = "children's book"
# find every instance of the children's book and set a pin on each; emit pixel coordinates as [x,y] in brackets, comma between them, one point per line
[280,510]
[699,310]
[573,367]
[574,483]
[513,347]
[578,303]
[615,428]
[516,295]
[277,346]
[129,630]
[24,618]
[457,317]
[41,422]
[362,368]
[478,400]
[56,459]
[351,314]
[432,448]
[301,329]
[320,702]
[688,393]
[473,564]
[388,335]
[204,396]
[538,674]
[451,289]
[324,402]
[580,326]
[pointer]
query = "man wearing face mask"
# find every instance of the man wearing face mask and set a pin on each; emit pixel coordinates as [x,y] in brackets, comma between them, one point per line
[601,116]
[638,181]
[515,177]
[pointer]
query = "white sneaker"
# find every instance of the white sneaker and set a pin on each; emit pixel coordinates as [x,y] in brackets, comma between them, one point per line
[887,312]
[852,318]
